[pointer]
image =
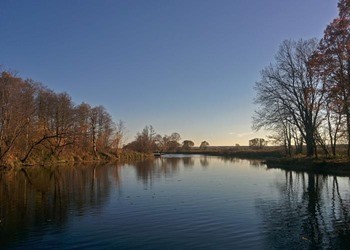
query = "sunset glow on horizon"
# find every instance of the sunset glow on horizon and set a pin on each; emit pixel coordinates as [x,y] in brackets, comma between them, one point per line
[181,66]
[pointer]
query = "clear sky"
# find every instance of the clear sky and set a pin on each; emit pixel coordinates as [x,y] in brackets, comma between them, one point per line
[180,65]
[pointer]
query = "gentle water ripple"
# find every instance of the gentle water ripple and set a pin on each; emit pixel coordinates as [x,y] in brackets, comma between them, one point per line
[177,202]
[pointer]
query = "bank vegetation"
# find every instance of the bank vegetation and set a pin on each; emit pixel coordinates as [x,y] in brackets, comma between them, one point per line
[38,125]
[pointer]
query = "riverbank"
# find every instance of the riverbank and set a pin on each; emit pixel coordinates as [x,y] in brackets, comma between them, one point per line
[274,157]
[98,158]
[336,166]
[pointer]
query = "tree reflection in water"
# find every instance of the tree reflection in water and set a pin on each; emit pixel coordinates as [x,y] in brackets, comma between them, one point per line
[204,161]
[252,162]
[301,216]
[166,167]
[169,166]
[146,171]
[307,211]
[42,196]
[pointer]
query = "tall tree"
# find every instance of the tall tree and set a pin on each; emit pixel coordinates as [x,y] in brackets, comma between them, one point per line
[290,92]
[52,127]
[82,137]
[332,62]
[119,135]
[16,111]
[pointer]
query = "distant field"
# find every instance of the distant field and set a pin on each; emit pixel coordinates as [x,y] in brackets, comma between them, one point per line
[256,152]
[237,151]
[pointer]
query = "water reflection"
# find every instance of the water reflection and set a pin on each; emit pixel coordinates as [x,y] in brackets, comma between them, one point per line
[42,197]
[146,171]
[312,211]
[188,162]
[194,201]
[204,161]
[169,166]
[234,160]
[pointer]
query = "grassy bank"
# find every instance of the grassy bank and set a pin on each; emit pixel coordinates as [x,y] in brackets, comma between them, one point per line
[337,166]
[71,159]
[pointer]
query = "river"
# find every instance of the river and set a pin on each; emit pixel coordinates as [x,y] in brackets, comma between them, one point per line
[173,202]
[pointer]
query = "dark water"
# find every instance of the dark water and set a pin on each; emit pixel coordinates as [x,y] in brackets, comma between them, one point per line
[175,202]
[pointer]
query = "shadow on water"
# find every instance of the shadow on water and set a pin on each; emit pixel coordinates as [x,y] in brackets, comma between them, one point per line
[312,212]
[36,198]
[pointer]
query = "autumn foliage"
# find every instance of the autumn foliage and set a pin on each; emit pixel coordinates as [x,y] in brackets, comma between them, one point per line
[37,125]
[304,96]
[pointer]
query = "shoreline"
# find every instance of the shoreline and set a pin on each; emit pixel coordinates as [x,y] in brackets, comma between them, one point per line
[272,158]
[74,160]
[336,166]
[275,160]
[244,154]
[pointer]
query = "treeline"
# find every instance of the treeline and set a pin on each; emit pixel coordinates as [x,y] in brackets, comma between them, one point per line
[148,141]
[304,96]
[37,124]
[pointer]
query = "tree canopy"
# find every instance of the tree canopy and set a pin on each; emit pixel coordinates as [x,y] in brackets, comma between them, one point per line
[187,144]
[204,144]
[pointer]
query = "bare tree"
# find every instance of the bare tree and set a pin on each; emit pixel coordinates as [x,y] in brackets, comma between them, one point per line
[145,141]
[292,92]
[168,143]
[82,136]
[120,134]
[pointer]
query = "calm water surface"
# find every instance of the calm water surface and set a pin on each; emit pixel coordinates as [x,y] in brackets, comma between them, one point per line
[174,202]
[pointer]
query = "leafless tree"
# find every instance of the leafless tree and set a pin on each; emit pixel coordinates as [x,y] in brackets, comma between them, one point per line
[289,92]
[119,135]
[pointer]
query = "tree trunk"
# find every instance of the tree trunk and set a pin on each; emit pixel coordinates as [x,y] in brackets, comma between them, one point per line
[310,143]
[348,127]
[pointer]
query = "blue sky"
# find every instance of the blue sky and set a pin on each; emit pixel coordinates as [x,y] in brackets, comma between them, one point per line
[182,66]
